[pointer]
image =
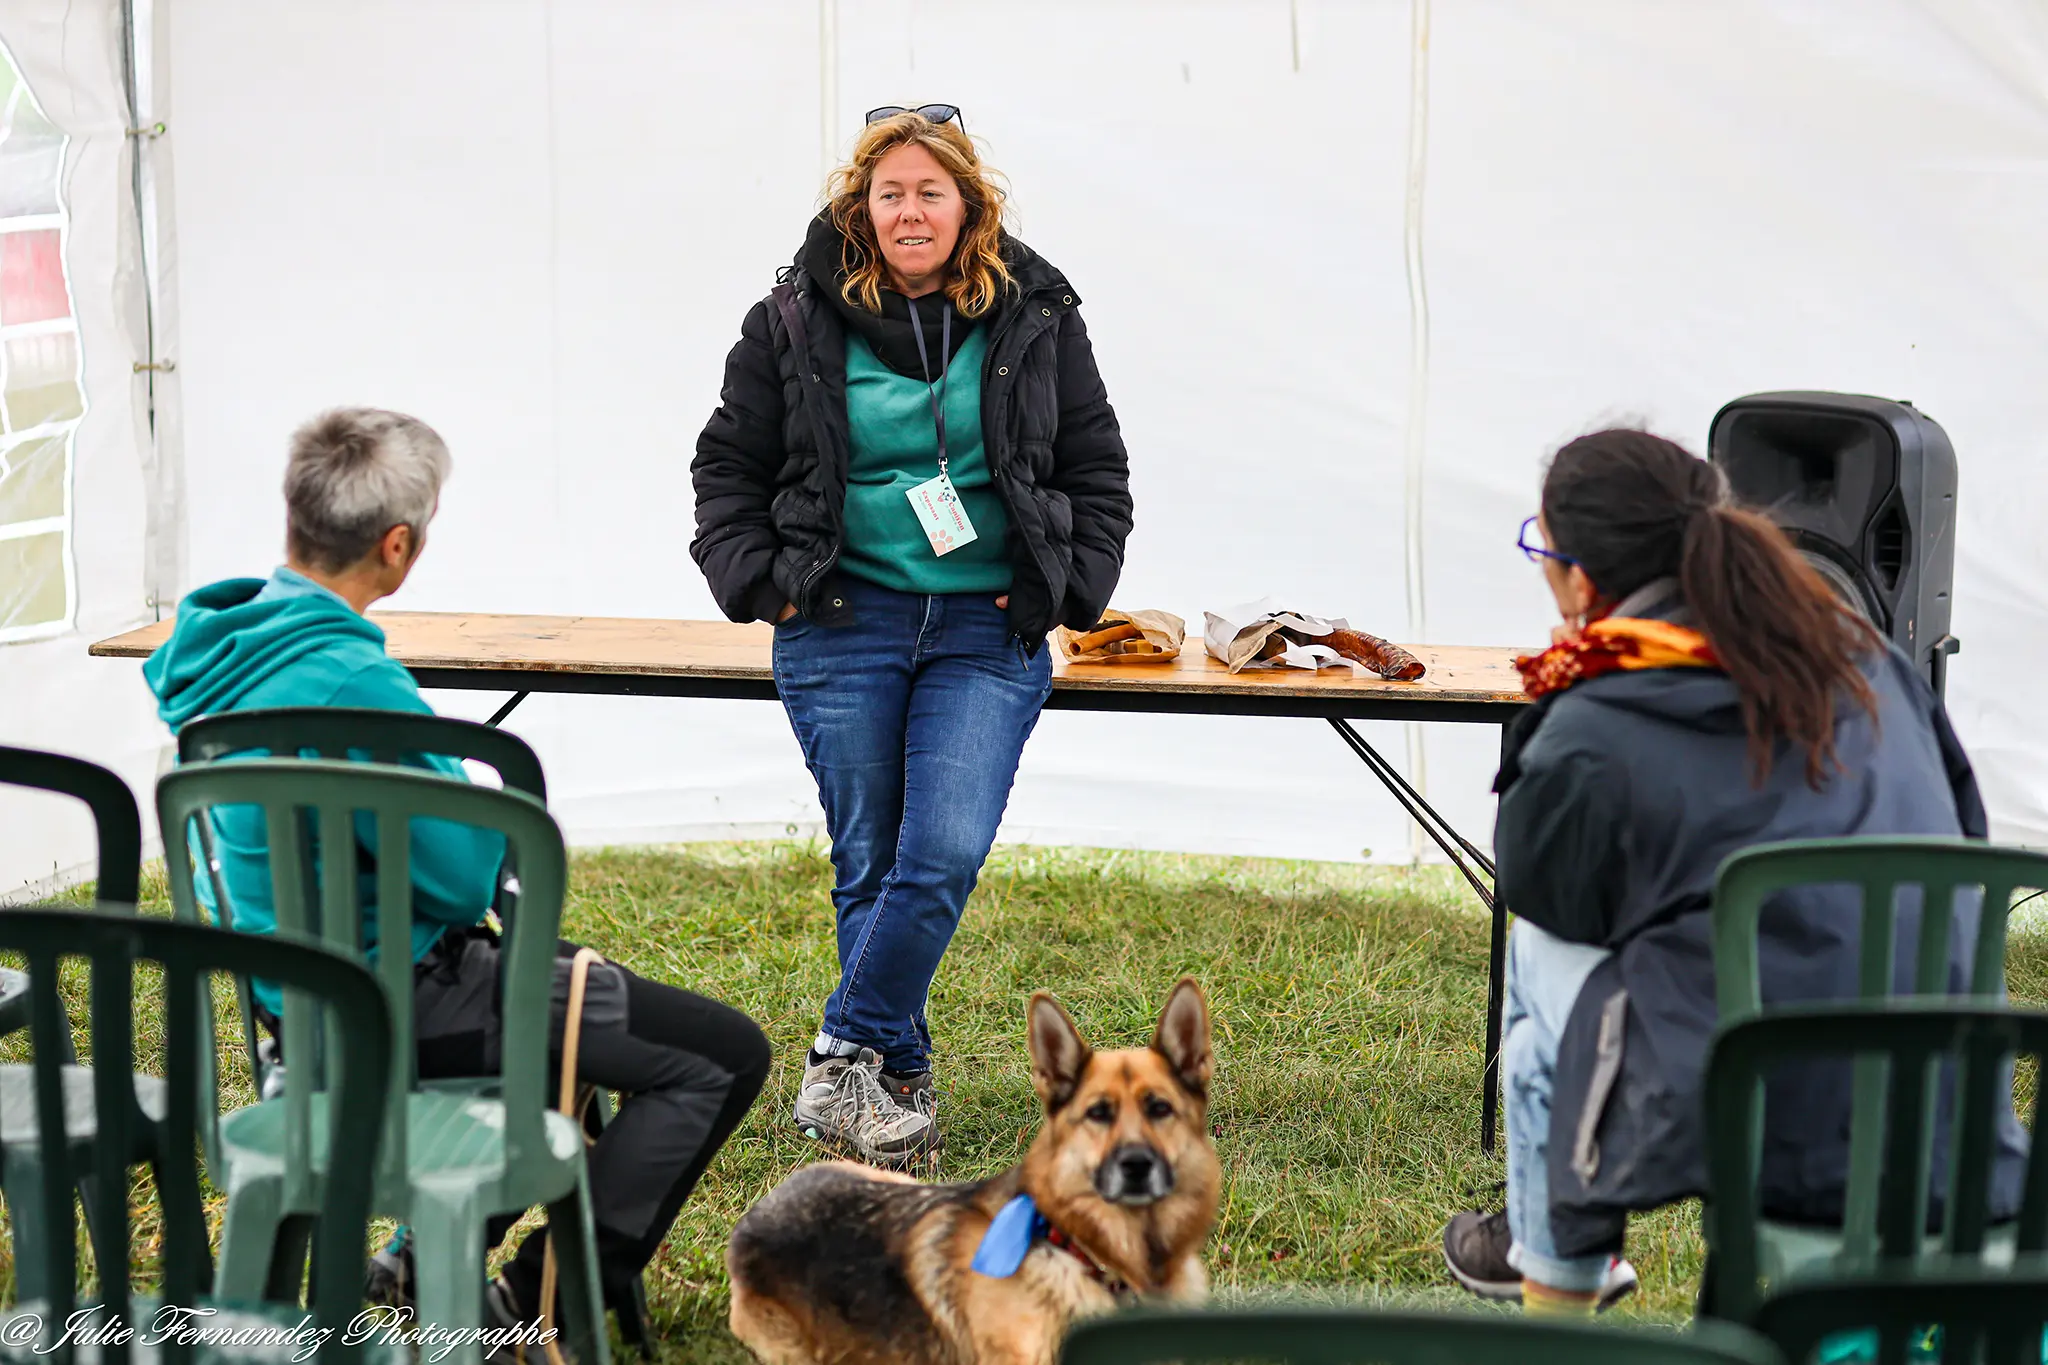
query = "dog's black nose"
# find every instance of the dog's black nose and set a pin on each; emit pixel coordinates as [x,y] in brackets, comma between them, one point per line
[1134,1174]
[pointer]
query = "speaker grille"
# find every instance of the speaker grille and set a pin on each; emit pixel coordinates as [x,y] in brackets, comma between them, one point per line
[1888,548]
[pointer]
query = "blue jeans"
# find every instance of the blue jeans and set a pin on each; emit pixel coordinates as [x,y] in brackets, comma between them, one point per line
[912,720]
[1544,976]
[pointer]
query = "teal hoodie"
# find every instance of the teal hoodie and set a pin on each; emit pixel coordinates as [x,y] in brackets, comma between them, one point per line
[244,643]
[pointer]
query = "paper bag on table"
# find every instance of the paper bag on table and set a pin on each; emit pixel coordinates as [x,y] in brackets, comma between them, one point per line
[1124,637]
[1263,634]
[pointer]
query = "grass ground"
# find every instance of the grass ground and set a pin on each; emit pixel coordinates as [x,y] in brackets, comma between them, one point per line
[1348,1004]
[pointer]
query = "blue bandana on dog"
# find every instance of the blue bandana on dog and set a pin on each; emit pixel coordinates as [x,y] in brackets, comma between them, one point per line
[1009,1237]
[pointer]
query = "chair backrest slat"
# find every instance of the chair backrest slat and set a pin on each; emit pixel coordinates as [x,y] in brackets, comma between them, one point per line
[189,955]
[47,1026]
[1902,1185]
[394,969]
[189,1060]
[113,1084]
[2033,1226]
[1980,1079]
[1931,957]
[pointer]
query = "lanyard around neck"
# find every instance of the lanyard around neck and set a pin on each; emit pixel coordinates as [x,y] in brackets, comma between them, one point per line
[938,398]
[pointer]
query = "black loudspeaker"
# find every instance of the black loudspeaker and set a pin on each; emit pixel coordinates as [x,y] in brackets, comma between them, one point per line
[1866,488]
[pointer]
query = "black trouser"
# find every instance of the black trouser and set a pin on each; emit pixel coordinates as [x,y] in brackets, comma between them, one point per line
[689,1069]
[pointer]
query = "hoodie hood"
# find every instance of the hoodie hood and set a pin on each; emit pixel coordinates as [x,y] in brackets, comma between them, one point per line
[234,636]
[1701,699]
[889,334]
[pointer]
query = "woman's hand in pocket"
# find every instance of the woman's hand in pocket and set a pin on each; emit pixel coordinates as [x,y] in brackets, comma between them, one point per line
[1003,602]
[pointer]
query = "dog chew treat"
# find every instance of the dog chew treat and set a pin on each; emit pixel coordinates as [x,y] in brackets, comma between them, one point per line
[1122,630]
[1389,661]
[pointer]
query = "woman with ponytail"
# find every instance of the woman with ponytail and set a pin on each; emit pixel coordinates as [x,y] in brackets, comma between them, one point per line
[1706,692]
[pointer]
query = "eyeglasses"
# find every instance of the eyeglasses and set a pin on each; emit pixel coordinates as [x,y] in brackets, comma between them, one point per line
[937,113]
[1538,553]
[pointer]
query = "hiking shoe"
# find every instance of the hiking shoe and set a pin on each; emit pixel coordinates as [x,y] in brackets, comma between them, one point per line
[915,1091]
[1476,1251]
[390,1281]
[843,1102]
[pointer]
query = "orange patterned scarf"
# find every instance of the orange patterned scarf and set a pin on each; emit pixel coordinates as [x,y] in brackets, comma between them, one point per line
[1615,644]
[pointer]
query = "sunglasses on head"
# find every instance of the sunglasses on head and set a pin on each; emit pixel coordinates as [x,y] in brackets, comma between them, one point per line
[937,113]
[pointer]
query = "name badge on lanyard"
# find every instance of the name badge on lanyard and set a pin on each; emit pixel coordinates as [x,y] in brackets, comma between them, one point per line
[935,502]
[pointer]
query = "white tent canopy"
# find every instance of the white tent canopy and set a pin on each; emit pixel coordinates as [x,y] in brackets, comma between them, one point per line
[1351,270]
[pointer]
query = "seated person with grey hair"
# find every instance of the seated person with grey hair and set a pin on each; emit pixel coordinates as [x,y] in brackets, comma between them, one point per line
[360,488]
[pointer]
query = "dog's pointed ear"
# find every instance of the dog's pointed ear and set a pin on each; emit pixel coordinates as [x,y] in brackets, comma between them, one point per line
[1058,1054]
[1183,1036]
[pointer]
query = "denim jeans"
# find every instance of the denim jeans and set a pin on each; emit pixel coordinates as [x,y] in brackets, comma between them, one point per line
[912,720]
[1544,976]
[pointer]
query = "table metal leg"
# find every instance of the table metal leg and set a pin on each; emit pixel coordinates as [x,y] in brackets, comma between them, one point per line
[1460,850]
[1496,973]
[1489,1076]
[507,708]
[1475,865]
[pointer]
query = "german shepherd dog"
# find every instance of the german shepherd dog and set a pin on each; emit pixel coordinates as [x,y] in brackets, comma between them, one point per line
[845,1264]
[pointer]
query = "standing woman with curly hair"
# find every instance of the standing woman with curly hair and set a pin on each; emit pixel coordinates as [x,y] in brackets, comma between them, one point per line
[915,473]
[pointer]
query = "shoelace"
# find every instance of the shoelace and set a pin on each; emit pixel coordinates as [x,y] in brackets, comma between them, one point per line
[872,1097]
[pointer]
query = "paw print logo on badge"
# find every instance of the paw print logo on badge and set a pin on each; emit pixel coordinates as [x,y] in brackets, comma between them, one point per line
[940,514]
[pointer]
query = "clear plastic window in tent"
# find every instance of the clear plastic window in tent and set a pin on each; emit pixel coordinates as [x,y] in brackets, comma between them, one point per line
[42,395]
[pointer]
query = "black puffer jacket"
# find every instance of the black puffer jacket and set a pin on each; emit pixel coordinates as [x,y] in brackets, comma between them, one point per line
[1620,798]
[770,503]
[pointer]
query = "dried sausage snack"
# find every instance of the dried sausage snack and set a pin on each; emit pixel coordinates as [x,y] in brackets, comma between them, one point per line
[1389,661]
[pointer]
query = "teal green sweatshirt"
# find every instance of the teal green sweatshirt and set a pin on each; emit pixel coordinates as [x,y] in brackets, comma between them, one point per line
[895,448]
[245,643]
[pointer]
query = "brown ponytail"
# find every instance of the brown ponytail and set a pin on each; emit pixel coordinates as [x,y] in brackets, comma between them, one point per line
[1631,508]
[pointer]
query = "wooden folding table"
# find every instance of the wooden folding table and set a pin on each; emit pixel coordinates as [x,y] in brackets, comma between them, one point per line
[653,658]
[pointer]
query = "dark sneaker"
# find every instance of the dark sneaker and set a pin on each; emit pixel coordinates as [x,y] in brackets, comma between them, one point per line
[843,1102]
[390,1282]
[1476,1251]
[502,1312]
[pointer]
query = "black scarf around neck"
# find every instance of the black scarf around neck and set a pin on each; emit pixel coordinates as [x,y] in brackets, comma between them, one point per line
[887,333]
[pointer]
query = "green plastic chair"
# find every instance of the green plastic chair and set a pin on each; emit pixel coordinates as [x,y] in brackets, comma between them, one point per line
[450,1160]
[1909,1045]
[116,823]
[1319,1336]
[1995,1318]
[339,732]
[1942,869]
[334,996]
[347,732]
[118,827]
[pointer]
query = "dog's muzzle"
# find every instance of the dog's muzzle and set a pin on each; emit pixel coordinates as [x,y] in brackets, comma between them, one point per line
[1135,1175]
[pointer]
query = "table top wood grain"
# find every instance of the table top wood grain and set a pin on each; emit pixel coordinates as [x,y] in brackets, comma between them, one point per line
[638,656]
